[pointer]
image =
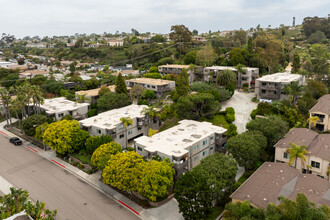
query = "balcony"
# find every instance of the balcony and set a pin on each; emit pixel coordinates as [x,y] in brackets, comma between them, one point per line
[181,164]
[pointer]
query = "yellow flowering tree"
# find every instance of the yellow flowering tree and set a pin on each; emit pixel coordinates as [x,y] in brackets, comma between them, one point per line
[102,154]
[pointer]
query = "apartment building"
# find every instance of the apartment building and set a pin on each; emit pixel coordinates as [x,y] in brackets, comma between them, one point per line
[185,144]
[92,95]
[115,43]
[249,75]
[322,110]
[159,86]
[318,147]
[176,69]
[58,107]
[108,123]
[272,180]
[271,86]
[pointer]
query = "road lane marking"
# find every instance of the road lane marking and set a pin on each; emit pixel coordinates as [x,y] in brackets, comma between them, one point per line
[128,207]
[58,163]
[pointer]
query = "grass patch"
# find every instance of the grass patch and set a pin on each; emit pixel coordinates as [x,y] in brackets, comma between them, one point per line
[83,158]
[168,123]
[219,120]
[215,213]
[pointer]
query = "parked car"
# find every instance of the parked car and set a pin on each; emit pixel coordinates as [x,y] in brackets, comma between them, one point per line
[15,140]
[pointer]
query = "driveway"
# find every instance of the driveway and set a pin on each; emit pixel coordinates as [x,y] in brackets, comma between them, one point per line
[243,106]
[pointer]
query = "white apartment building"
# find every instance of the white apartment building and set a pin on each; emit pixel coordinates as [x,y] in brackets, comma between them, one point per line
[249,75]
[185,144]
[108,123]
[58,107]
[318,147]
[159,86]
[271,86]
[176,69]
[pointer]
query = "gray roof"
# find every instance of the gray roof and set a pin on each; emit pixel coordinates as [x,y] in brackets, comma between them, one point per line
[322,105]
[272,180]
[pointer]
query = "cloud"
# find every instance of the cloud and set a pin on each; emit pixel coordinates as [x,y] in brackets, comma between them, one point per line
[49,17]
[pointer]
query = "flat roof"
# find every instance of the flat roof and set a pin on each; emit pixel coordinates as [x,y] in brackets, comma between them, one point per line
[280,77]
[94,92]
[110,119]
[60,104]
[273,179]
[175,66]
[177,140]
[150,81]
[228,68]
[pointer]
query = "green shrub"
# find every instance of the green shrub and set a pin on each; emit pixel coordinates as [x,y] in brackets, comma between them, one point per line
[143,102]
[230,110]
[254,113]
[231,131]
[92,112]
[230,117]
[245,85]
[230,87]
[246,89]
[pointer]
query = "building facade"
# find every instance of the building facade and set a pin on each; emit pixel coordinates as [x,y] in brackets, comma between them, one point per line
[322,110]
[108,123]
[92,95]
[249,75]
[159,86]
[59,107]
[185,144]
[272,86]
[176,69]
[318,147]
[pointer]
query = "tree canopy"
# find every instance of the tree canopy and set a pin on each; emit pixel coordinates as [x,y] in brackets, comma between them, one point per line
[103,153]
[112,100]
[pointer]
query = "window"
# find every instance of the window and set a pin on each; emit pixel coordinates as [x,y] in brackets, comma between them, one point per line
[285,155]
[196,147]
[195,158]
[211,138]
[60,115]
[263,91]
[204,153]
[275,92]
[139,149]
[315,164]
[121,126]
[211,148]
[98,131]
[130,132]
[204,142]
[263,84]
[153,87]
[139,128]
[121,136]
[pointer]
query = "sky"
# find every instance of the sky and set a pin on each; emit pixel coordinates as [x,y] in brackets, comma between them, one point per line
[67,17]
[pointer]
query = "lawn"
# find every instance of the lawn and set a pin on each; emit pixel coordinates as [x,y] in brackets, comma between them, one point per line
[219,120]
[83,158]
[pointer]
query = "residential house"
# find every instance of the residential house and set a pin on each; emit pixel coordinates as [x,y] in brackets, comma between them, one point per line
[32,73]
[92,95]
[127,73]
[58,107]
[249,75]
[322,110]
[159,86]
[108,123]
[115,43]
[185,144]
[176,69]
[318,147]
[272,86]
[272,180]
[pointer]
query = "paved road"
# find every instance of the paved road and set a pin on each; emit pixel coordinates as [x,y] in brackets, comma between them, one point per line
[73,198]
[243,106]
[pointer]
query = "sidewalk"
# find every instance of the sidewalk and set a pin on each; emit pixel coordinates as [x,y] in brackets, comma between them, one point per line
[169,210]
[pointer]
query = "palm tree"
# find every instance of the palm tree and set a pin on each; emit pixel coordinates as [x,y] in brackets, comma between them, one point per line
[15,105]
[82,98]
[5,102]
[312,121]
[151,132]
[296,152]
[151,113]
[225,77]
[126,121]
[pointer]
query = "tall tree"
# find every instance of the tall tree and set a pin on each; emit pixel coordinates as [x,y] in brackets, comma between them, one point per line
[121,85]
[112,100]
[151,113]
[126,121]
[296,63]
[296,152]
[312,121]
[182,83]
[103,153]
[206,56]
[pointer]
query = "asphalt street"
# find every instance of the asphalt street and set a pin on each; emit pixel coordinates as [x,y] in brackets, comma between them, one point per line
[73,198]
